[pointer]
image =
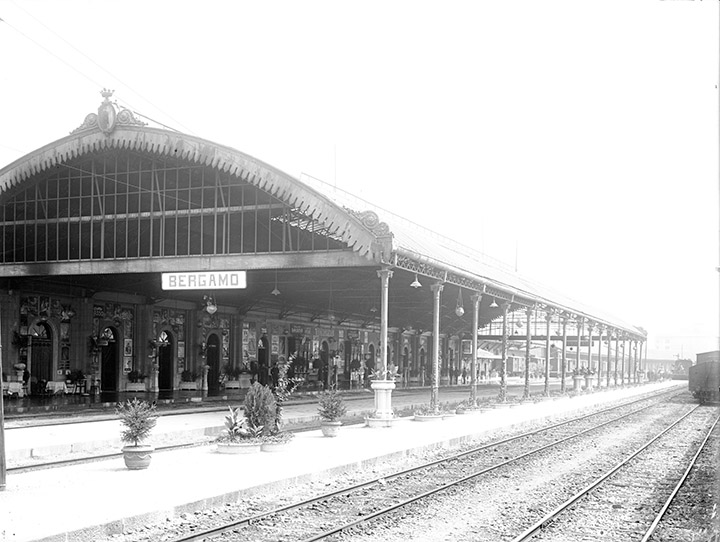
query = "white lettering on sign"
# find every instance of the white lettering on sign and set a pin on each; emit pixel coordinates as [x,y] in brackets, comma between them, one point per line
[204,280]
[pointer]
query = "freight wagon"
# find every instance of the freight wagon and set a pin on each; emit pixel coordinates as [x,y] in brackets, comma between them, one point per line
[704,381]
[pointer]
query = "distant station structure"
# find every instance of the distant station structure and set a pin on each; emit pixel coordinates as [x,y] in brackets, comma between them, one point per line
[134,255]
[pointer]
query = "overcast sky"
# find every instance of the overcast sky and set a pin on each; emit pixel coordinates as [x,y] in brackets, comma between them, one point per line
[576,140]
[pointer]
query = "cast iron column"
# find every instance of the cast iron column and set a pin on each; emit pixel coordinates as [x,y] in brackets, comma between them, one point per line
[622,363]
[548,321]
[617,350]
[580,328]
[599,360]
[385,275]
[589,360]
[528,337]
[503,378]
[436,288]
[640,361]
[383,415]
[475,298]
[636,370]
[609,342]
[564,347]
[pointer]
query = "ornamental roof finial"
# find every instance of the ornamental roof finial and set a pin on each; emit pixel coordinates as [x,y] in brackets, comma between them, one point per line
[107,94]
[107,117]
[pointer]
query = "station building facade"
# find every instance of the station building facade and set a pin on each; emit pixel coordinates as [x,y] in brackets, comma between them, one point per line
[92,224]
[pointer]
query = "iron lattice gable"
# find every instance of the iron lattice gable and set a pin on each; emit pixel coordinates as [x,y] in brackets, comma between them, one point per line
[121,204]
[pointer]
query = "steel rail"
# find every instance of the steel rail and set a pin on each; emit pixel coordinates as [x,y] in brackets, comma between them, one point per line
[548,518]
[229,526]
[673,494]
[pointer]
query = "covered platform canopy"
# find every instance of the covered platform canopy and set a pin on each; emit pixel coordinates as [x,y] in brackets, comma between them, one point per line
[113,204]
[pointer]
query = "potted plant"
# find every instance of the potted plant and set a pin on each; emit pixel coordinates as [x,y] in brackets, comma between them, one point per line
[136,381]
[74,376]
[274,438]
[331,408]
[139,418]
[239,435]
[578,378]
[232,377]
[427,413]
[188,380]
[276,442]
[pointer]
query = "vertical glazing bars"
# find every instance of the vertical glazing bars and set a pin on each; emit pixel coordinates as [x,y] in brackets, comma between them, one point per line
[177,211]
[127,207]
[242,218]
[256,212]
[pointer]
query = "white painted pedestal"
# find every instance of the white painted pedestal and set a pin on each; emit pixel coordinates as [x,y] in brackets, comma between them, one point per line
[383,415]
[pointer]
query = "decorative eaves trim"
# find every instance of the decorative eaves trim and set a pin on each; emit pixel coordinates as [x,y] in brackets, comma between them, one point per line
[443,272]
[349,228]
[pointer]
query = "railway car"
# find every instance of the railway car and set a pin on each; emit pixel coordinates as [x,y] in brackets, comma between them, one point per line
[704,381]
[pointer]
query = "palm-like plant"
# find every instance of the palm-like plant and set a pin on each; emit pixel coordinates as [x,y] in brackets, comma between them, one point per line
[138,417]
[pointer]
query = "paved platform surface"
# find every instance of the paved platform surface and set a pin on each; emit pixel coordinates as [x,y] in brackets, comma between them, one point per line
[93,501]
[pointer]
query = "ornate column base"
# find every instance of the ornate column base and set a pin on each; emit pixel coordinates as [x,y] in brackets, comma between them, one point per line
[383,415]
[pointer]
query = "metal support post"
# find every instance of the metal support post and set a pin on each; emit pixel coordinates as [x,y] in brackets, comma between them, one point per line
[548,321]
[502,397]
[475,298]
[528,337]
[437,289]
[564,349]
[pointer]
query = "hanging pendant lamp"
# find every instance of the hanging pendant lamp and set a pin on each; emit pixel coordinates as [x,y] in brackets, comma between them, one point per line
[416,283]
[459,309]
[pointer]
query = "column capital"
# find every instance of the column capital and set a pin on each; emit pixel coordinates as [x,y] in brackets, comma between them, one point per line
[437,287]
[476,297]
[385,272]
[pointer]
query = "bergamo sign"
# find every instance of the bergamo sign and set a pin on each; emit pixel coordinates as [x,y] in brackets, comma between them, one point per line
[203,280]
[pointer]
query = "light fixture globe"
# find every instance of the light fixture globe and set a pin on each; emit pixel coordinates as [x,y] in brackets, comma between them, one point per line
[459,309]
[210,305]
[416,283]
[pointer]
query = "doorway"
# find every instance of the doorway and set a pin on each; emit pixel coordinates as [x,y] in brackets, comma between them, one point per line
[165,362]
[213,360]
[41,362]
[325,373]
[263,361]
[109,366]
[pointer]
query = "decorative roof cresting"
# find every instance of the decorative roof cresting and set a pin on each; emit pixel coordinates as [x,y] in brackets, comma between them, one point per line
[107,118]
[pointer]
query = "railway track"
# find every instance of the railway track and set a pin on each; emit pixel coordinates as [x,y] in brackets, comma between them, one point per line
[628,501]
[346,511]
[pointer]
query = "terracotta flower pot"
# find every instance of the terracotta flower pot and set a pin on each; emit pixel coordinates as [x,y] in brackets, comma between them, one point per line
[330,428]
[238,447]
[138,457]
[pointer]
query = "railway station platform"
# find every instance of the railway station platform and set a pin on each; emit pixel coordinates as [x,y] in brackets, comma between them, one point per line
[94,500]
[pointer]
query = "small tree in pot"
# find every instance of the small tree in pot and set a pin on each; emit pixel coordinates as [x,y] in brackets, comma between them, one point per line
[331,408]
[239,435]
[139,418]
